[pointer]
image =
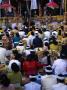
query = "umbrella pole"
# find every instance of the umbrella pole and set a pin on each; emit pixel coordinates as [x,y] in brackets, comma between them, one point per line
[65,13]
[65,5]
[60,7]
[0,18]
[29,13]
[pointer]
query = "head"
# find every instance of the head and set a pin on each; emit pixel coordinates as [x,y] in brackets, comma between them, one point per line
[36,33]
[16,55]
[40,31]
[47,44]
[59,33]
[4,80]
[7,34]
[63,53]
[16,28]
[32,78]
[60,78]
[34,56]
[48,70]
[15,67]
[32,33]
[17,34]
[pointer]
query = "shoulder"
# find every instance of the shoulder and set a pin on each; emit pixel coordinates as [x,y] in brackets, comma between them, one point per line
[57,61]
[0,87]
[55,86]
[28,84]
[43,77]
[12,87]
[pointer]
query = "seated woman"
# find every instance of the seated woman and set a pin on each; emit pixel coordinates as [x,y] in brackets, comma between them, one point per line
[15,76]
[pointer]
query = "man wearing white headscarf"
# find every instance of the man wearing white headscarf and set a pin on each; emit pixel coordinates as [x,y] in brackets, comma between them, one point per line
[49,79]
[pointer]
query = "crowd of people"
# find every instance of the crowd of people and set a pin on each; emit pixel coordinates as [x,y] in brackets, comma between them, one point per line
[33,57]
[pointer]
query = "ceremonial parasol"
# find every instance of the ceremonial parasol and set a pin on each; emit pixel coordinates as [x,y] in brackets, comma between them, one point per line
[52,5]
[5,6]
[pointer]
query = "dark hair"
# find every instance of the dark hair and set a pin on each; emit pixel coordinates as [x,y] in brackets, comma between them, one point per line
[32,33]
[33,79]
[32,57]
[49,68]
[63,52]
[16,28]
[4,80]
[17,34]
[62,27]
[47,44]
[29,57]
[15,67]
[7,34]
[59,80]
[40,31]
[59,33]
[55,42]
[17,55]
[49,73]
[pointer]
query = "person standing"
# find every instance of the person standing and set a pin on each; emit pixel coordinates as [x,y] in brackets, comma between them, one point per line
[60,65]
[60,83]
[48,80]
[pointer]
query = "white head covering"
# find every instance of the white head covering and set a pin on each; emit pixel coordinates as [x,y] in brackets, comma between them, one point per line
[48,69]
[13,61]
[60,77]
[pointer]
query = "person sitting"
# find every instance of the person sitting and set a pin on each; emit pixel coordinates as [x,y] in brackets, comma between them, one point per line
[15,76]
[49,79]
[37,42]
[5,83]
[32,85]
[60,83]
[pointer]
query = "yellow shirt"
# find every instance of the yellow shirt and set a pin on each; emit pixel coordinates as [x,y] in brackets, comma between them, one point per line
[54,47]
[60,37]
[64,40]
[1,30]
[29,33]
[15,77]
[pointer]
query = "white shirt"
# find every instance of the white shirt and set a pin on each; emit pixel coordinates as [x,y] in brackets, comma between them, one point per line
[14,25]
[55,33]
[47,34]
[2,55]
[30,40]
[59,86]
[21,33]
[32,86]
[59,66]
[20,49]
[48,81]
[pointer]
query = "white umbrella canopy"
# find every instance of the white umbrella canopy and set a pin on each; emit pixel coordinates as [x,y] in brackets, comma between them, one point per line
[33,4]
